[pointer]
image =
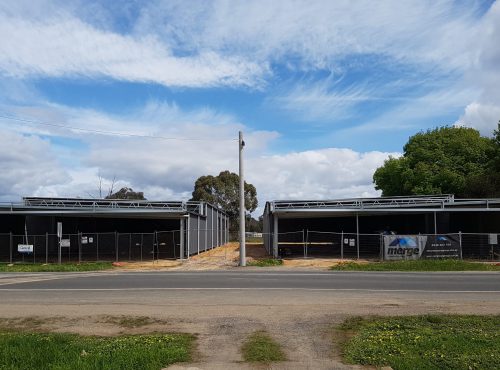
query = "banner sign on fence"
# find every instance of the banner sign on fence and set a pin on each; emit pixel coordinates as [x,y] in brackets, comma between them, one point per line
[65,243]
[25,248]
[412,247]
[402,247]
[441,246]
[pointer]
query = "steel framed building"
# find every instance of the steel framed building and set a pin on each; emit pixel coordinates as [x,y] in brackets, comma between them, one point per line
[167,229]
[295,222]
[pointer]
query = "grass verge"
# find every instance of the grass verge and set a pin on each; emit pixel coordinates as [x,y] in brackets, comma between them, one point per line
[417,265]
[424,342]
[260,347]
[26,351]
[265,262]
[52,267]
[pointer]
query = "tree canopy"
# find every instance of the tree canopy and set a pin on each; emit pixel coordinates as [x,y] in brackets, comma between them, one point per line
[445,160]
[223,191]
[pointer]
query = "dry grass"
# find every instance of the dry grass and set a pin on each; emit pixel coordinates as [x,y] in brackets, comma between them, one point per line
[130,322]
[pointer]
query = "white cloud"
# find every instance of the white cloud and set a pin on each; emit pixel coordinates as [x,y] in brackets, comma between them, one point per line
[317,33]
[62,45]
[482,117]
[483,112]
[321,100]
[316,174]
[167,169]
[27,164]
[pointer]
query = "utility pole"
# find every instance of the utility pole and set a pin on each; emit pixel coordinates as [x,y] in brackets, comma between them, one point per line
[243,261]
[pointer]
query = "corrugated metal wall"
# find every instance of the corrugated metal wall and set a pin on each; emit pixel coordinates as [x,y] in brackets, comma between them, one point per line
[206,230]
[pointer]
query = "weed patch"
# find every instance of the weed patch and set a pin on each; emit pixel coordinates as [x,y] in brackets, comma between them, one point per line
[424,342]
[265,262]
[416,265]
[31,351]
[52,267]
[260,347]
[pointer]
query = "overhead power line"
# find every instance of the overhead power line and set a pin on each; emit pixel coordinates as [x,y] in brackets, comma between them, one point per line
[105,132]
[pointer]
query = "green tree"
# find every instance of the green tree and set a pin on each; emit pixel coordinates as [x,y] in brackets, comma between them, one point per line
[127,193]
[223,191]
[445,160]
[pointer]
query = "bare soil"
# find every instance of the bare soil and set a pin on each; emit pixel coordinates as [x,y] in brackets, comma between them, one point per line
[227,257]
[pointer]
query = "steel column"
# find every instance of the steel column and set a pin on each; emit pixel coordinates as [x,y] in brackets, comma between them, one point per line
[357,234]
[188,237]
[181,242]
[116,247]
[10,247]
[275,236]
[198,234]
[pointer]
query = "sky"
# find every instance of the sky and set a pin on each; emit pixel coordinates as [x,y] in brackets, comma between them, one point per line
[324,91]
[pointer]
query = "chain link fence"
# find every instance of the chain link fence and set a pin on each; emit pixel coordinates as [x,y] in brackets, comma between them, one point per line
[90,247]
[310,243]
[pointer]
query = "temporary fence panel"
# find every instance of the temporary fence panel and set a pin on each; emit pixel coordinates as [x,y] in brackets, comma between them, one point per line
[349,245]
[88,251]
[5,248]
[481,246]
[167,246]
[370,246]
[291,243]
[322,244]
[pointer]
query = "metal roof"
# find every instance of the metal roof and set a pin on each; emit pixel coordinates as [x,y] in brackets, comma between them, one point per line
[81,206]
[383,204]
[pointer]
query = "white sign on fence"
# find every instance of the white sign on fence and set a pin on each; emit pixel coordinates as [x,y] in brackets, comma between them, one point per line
[65,243]
[25,248]
[493,239]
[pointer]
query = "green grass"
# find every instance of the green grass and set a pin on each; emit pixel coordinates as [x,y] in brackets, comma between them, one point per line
[417,265]
[265,262]
[33,351]
[424,342]
[53,267]
[260,347]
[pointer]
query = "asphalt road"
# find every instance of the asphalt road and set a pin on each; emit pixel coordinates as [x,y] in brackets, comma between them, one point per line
[223,307]
[245,280]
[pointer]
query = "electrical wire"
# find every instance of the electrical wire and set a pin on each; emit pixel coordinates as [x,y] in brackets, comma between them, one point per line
[104,132]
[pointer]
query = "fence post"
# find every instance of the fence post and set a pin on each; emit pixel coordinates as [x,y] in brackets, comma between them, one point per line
[381,247]
[304,240]
[198,234]
[357,235]
[155,243]
[79,236]
[59,250]
[181,239]
[307,242]
[342,245]
[46,247]
[97,245]
[10,247]
[142,241]
[116,246]
[460,243]
[130,246]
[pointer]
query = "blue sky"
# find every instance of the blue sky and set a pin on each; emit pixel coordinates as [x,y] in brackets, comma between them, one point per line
[324,91]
